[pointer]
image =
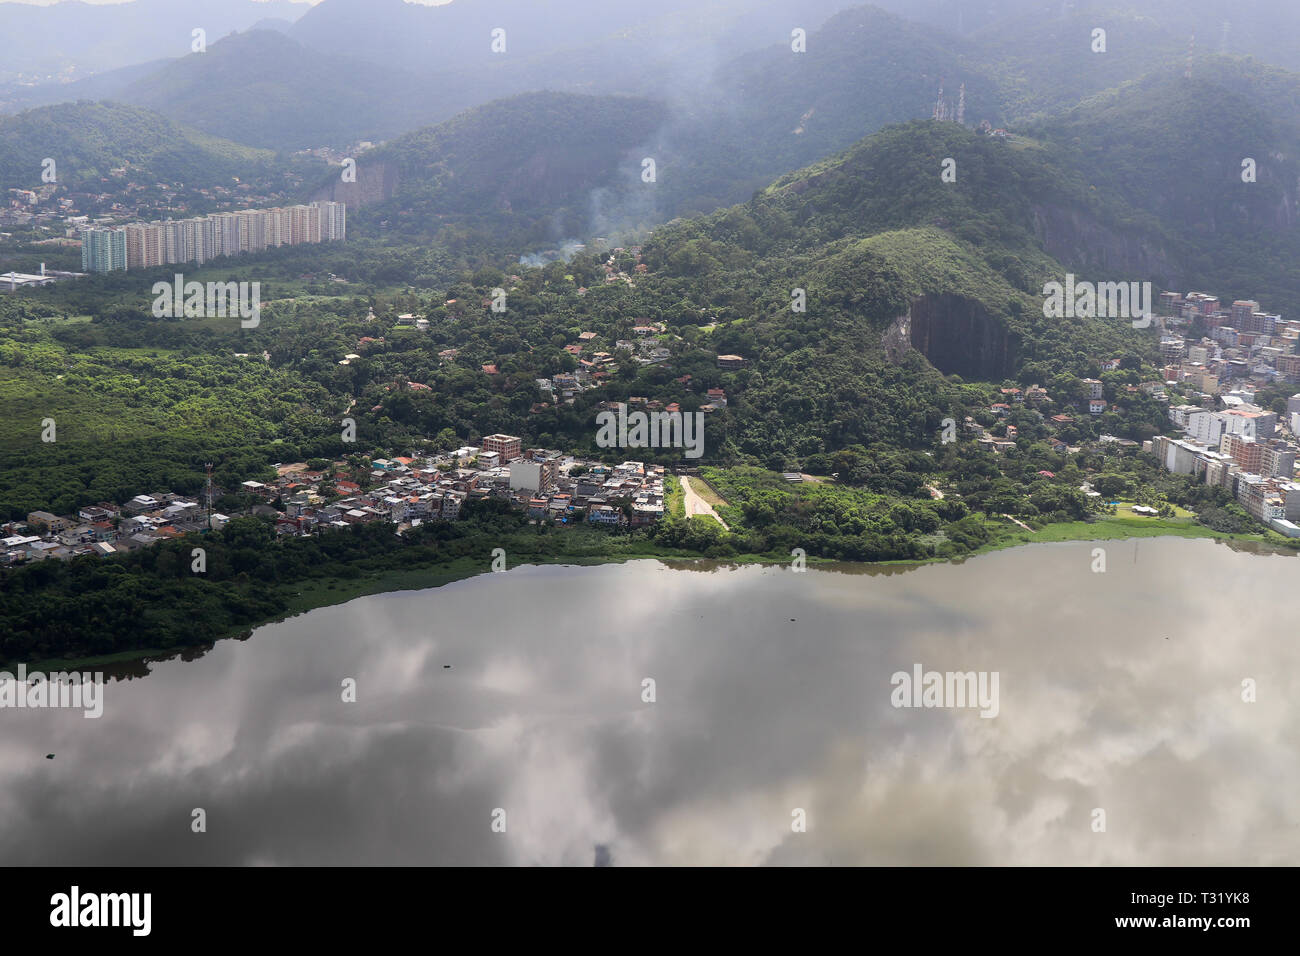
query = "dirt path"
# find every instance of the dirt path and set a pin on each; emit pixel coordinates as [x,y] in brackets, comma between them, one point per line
[695,505]
[1019,522]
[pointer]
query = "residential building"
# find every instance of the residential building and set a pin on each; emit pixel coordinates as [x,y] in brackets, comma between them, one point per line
[508,447]
[47,522]
[103,250]
[145,245]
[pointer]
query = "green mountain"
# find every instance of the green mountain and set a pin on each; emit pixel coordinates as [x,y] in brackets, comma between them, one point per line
[907,280]
[634,48]
[1047,62]
[87,140]
[775,110]
[1171,150]
[267,90]
[1258,28]
[955,269]
[764,114]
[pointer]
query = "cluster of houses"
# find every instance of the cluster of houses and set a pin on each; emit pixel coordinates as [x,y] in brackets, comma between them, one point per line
[105,528]
[614,274]
[594,369]
[717,400]
[1035,397]
[1244,345]
[547,485]
[123,194]
[1245,348]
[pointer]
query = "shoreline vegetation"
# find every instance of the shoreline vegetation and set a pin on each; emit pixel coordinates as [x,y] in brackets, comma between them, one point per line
[331,592]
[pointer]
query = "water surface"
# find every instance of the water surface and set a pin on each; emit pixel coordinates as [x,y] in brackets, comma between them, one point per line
[522,692]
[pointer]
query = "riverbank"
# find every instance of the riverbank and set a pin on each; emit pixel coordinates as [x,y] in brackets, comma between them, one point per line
[327,592]
[300,598]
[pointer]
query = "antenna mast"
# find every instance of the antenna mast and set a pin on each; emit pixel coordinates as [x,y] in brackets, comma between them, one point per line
[940,110]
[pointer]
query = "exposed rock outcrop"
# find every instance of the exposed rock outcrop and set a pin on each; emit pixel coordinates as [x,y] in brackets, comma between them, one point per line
[1072,236]
[377,181]
[958,335]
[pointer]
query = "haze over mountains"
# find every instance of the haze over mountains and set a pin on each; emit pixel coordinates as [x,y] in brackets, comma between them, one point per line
[77,39]
[345,70]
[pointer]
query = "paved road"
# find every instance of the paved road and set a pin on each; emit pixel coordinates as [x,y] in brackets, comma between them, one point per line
[695,505]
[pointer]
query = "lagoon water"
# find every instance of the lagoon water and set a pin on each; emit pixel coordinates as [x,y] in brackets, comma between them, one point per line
[523,692]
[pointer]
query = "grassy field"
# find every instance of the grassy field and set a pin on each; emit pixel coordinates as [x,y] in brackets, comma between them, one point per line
[1125,510]
[674,497]
[1110,528]
[706,491]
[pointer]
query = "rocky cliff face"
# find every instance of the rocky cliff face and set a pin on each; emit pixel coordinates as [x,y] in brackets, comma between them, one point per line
[1078,240]
[377,181]
[957,335]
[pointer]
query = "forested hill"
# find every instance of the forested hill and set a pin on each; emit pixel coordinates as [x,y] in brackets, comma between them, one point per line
[1173,149]
[773,110]
[876,235]
[265,89]
[905,278]
[892,182]
[1142,182]
[88,140]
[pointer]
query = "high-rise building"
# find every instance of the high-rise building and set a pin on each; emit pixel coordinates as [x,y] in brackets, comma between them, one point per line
[1246,452]
[144,249]
[305,224]
[252,230]
[226,233]
[536,475]
[192,230]
[1242,310]
[279,223]
[211,237]
[333,220]
[147,245]
[103,250]
[1171,303]
[1278,459]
